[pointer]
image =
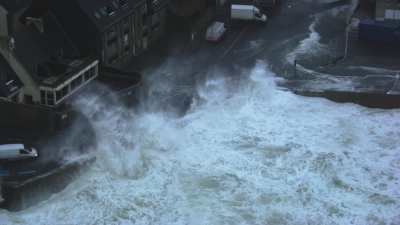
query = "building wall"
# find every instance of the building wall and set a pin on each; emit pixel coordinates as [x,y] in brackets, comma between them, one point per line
[134,34]
[118,41]
[14,116]
[158,23]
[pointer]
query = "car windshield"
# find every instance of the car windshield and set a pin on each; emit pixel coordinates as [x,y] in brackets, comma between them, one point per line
[24,152]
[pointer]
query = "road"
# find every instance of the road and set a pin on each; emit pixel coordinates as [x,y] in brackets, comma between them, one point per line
[310,32]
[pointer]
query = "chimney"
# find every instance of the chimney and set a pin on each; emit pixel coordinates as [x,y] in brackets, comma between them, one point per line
[37,22]
[35,13]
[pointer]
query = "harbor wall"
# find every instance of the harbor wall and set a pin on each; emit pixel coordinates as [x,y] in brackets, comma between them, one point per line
[21,118]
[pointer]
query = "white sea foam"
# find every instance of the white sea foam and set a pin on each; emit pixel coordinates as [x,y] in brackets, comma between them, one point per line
[309,46]
[246,155]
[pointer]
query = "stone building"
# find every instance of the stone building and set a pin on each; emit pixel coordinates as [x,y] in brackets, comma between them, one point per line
[113,31]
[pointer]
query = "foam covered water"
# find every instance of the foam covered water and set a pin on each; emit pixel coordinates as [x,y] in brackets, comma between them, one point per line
[243,154]
[325,41]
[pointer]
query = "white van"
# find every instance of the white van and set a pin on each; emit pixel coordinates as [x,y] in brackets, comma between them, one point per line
[11,152]
[247,12]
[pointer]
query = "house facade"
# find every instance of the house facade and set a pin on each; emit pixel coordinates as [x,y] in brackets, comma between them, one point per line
[113,31]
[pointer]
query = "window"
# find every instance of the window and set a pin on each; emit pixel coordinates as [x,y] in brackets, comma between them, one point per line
[111,34]
[75,83]
[50,98]
[42,97]
[155,26]
[86,75]
[155,4]
[144,19]
[145,32]
[92,71]
[24,152]
[392,14]
[59,95]
[389,14]
[112,58]
[111,37]
[123,3]
[112,41]
[397,14]
[64,91]
[110,10]
[126,40]
[155,21]
[125,26]
[97,15]
[133,28]
[112,53]
[126,31]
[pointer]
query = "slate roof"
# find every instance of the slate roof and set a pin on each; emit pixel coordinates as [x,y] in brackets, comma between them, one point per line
[14,5]
[50,54]
[33,47]
[105,12]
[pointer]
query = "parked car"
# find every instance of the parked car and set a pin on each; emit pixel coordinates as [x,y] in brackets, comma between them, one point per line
[247,12]
[215,31]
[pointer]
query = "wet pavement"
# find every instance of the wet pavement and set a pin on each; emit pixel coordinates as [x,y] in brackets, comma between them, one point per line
[290,24]
[59,154]
[309,33]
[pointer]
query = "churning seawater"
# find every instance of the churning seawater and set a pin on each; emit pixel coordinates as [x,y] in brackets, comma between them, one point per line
[242,154]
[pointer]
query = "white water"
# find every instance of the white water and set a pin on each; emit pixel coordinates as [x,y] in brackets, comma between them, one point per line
[248,155]
[310,46]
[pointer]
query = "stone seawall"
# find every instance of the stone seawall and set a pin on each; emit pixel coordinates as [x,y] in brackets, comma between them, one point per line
[20,119]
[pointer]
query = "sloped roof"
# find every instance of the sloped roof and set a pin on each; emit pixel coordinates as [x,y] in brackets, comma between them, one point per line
[33,47]
[48,53]
[105,12]
[14,5]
